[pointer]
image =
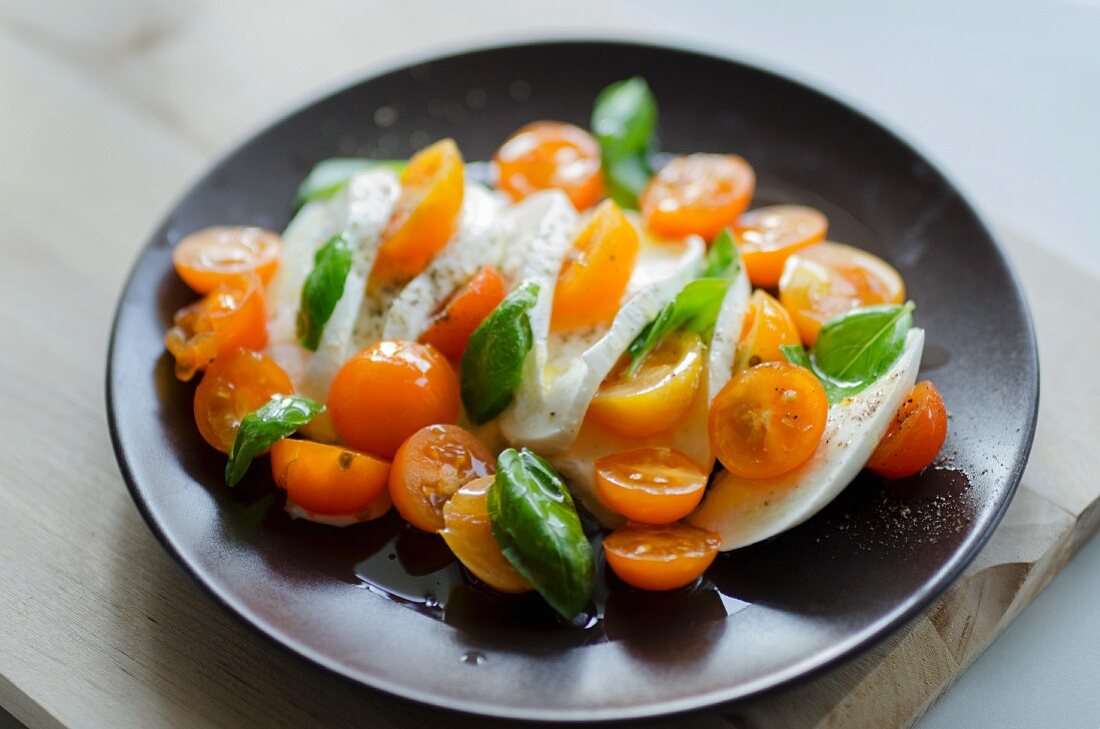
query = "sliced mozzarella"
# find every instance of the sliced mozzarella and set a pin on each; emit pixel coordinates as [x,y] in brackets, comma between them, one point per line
[746,511]
[296,511]
[474,245]
[369,201]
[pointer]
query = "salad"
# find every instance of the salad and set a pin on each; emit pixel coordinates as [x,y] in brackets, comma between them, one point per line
[593,326]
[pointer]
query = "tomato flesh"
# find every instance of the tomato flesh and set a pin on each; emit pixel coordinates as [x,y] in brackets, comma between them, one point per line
[650,485]
[660,557]
[550,154]
[828,279]
[915,436]
[768,326]
[230,317]
[430,467]
[390,390]
[659,394]
[426,214]
[767,420]
[233,387]
[469,533]
[768,236]
[596,272]
[450,330]
[698,194]
[327,479]
[210,257]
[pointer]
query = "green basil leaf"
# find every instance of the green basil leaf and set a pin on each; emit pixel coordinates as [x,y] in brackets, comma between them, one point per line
[328,176]
[860,345]
[625,178]
[723,257]
[536,524]
[259,430]
[856,348]
[624,118]
[492,364]
[322,290]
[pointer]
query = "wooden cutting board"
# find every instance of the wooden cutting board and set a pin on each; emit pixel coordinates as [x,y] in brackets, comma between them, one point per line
[105,119]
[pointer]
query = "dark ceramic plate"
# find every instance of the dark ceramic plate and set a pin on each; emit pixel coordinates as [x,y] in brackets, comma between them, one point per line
[388,608]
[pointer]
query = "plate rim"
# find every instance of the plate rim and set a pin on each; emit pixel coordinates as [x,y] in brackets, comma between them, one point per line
[793,674]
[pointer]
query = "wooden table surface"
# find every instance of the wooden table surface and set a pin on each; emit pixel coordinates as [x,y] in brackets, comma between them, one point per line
[108,111]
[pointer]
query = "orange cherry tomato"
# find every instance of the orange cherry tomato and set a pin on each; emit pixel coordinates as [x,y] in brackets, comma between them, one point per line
[768,235]
[828,279]
[768,326]
[430,467]
[450,330]
[697,194]
[327,479]
[469,533]
[212,256]
[595,274]
[389,391]
[426,214]
[767,420]
[650,485]
[658,395]
[230,317]
[234,386]
[915,436]
[660,557]
[550,154]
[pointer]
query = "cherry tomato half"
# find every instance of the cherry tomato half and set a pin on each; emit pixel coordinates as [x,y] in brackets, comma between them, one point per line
[767,420]
[768,235]
[327,479]
[430,467]
[426,214]
[697,194]
[212,256]
[828,279]
[595,274]
[469,533]
[450,330]
[768,326]
[660,557]
[658,395]
[650,485]
[389,391]
[915,437]
[230,317]
[551,154]
[233,387]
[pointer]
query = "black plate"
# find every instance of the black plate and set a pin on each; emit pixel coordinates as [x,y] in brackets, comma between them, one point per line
[768,614]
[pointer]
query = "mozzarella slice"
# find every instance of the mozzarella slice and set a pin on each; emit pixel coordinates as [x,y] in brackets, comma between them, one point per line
[475,245]
[368,204]
[745,511]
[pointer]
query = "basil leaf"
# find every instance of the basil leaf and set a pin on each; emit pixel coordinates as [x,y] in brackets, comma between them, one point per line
[322,289]
[328,176]
[860,345]
[696,307]
[855,348]
[536,524]
[625,178]
[623,120]
[834,391]
[723,258]
[259,430]
[492,364]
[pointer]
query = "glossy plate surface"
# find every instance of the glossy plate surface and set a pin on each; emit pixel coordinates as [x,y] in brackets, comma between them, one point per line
[388,609]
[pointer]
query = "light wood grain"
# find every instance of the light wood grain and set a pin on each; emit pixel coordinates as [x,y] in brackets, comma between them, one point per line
[108,110]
